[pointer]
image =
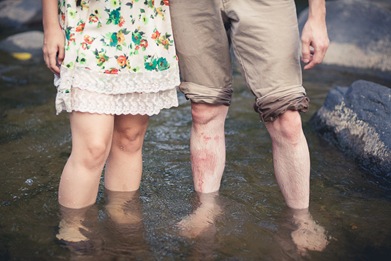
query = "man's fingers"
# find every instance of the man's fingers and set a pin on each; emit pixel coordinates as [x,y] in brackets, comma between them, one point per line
[306,51]
[310,65]
[317,54]
[317,57]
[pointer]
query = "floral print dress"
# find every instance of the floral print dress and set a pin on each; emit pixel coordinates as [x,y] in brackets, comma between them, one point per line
[119,57]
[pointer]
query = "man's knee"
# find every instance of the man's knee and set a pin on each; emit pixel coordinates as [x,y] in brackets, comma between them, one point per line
[286,127]
[203,114]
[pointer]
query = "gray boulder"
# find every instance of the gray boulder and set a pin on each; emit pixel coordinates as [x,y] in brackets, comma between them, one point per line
[357,119]
[360,34]
[16,13]
[28,42]
[383,3]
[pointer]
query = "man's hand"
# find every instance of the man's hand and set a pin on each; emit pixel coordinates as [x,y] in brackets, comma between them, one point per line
[314,38]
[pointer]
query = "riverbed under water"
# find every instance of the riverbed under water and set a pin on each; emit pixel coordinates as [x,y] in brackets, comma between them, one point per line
[246,221]
[253,223]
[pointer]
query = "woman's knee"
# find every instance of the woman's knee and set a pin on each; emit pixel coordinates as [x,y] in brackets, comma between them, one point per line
[129,139]
[129,132]
[92,154]
[91,138]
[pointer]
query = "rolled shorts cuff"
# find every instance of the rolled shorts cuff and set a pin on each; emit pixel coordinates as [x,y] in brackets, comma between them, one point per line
[206,94]
[271,107]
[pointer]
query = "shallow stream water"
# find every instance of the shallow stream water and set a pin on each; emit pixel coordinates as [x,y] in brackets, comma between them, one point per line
[247,220]
[252,222]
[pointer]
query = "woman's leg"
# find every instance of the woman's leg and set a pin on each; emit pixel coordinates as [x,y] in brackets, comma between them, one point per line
[123,207]
[124,164]
[71,226]
[91,141]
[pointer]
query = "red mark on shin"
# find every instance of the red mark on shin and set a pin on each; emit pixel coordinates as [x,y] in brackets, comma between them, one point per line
[199,185]
[206,139]
[204,164]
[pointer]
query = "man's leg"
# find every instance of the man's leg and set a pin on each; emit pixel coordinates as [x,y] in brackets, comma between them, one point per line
[291,159]
[203,49]
[201,222]
[207,146]
[265,39]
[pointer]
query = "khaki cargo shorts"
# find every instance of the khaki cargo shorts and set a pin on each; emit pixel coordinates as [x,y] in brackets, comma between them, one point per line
[263,35]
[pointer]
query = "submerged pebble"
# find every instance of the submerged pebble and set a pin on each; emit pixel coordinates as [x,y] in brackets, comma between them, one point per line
[29,182]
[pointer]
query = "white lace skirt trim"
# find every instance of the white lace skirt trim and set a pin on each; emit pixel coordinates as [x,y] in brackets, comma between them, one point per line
[117,104]
[119,83]
[146,93]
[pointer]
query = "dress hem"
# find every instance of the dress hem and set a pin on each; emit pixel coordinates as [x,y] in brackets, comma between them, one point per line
[122,113]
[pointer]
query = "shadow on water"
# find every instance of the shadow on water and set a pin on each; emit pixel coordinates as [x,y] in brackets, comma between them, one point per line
[166,220]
